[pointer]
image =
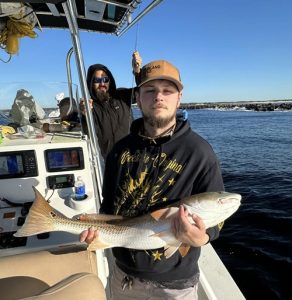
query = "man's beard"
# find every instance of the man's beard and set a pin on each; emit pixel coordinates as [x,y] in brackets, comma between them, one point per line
[101,95]
[158,122]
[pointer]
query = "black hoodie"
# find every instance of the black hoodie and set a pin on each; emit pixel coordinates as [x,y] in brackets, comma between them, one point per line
[111,118]
[142,176]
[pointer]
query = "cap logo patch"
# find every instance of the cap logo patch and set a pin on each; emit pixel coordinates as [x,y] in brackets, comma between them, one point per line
[160,69]
[149,69]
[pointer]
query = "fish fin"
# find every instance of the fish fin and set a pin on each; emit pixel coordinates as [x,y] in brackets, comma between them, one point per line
[158,214]
[40,217]
[184,249]
[99,217]
[97,244]
[169,251]
[167,237]
[220,225]
[177,245]
[163,213]
[160,234]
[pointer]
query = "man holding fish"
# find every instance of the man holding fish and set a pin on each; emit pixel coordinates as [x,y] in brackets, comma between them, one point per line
[162,199]
[160,162]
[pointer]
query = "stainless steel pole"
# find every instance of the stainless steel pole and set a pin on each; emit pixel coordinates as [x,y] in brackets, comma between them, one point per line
[96,154]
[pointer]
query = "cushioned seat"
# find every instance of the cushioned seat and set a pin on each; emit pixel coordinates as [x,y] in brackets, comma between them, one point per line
[17,287]
[67,273]
[85,286]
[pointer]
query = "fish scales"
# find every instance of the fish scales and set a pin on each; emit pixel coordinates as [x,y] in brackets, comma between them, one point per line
[150,231]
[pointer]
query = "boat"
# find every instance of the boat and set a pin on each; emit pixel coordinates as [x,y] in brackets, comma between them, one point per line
[53,263]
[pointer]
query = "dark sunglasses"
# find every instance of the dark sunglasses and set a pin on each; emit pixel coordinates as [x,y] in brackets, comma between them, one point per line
[101,79]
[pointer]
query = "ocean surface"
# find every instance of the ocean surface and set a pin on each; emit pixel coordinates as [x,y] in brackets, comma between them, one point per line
[255,151]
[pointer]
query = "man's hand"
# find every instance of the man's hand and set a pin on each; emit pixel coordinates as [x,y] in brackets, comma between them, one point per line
[136,62]
[82,105]
[87,235]
[190,233]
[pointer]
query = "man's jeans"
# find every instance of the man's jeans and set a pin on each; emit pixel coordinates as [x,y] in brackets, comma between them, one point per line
[125,288]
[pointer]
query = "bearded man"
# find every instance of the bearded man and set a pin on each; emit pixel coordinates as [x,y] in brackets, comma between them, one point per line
[111,106]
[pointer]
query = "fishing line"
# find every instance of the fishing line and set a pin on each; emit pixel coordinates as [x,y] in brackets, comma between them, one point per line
[136,36]
[133,75]
[48,200]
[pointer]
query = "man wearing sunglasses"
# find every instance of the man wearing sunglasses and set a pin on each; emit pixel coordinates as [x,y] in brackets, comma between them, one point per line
[111,106]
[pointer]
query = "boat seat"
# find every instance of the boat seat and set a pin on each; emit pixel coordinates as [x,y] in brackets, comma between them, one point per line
[69,273]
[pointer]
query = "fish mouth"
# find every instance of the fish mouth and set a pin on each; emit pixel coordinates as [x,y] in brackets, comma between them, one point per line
[230,203]
[232,199]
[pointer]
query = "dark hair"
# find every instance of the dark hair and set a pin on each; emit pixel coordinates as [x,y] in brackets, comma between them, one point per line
[65,113]
[67,101]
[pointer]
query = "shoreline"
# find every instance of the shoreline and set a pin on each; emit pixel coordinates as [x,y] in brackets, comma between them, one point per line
[274,105]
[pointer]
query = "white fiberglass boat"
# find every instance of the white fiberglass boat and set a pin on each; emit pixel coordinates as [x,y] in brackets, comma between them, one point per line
[57,265]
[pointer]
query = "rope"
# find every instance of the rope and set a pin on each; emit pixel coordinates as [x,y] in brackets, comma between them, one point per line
[14,30]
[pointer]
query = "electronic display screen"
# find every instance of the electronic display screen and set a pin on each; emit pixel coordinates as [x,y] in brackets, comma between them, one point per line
[11,164]
[64,159]
[61,179]
[18,164]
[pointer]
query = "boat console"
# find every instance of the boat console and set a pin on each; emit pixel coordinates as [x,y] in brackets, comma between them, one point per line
[51,164]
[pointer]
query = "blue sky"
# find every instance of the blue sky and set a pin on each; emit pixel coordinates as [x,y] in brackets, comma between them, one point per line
[226,50]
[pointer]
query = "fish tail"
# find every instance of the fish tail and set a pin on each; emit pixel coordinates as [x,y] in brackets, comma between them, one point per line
[40,219]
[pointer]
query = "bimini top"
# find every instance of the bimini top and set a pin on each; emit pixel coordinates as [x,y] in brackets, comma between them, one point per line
[105,16]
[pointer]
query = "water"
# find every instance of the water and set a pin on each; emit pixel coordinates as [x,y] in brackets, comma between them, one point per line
[4,120]
[255,151]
